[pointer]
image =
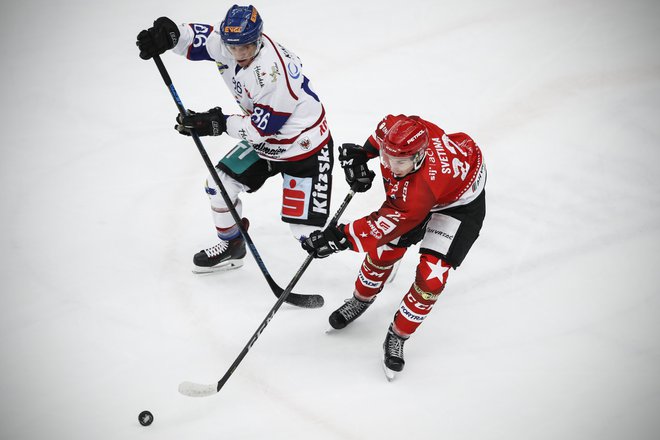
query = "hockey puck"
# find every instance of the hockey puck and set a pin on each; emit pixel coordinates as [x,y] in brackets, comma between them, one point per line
[145,418]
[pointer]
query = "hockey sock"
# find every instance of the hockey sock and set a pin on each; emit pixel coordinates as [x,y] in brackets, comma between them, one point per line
[228,234]
[429,282]
[374,272]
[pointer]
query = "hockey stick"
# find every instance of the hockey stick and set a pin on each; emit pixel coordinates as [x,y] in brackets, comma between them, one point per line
[202,390]
[301,300]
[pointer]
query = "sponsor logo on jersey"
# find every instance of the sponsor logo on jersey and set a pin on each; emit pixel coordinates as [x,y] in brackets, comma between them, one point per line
[404,193]
[305,143]
[477,181]
[268,151]
[320,194]
[242,133]
[294,71]
[274,72]
[221,67]
[284,51]
[258,75]
[374,230]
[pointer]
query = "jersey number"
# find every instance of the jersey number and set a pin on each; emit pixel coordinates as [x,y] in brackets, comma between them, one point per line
[260,118]
[200,35]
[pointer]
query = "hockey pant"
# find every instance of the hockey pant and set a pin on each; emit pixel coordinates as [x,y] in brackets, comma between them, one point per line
[306,187]
[430,279]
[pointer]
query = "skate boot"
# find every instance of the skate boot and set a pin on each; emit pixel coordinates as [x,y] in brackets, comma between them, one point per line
[393,348]
[348,312]
[226,255]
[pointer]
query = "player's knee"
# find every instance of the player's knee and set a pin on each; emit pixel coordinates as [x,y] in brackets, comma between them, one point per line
[431,275]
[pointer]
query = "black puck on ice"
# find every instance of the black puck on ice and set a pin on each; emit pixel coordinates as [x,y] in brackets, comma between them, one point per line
[145,418]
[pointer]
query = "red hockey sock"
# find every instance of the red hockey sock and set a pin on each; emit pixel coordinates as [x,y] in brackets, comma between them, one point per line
[374,271]
[419,300]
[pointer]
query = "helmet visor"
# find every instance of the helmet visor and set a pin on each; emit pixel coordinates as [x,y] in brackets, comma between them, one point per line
[243,52]
[399,165]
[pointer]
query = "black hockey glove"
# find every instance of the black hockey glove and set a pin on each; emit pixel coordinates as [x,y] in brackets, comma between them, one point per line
[320,244]
[157,39]
[210,123]
[353,159]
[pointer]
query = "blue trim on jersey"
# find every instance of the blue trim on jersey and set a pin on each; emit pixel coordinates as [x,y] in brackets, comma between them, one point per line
[267,121]
[197,50]
[306,88]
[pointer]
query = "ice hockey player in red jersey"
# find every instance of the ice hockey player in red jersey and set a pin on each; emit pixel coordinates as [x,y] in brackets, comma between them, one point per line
[282,128]
[434,186]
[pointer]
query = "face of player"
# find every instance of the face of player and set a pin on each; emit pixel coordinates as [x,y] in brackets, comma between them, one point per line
[243,53]
[400,166]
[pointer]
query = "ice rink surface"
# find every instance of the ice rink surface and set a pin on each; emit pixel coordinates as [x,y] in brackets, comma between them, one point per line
[549,330]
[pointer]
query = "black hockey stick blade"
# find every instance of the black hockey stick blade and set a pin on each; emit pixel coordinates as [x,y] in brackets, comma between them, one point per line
[308,301]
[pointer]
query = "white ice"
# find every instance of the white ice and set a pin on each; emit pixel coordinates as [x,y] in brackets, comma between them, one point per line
[549,330]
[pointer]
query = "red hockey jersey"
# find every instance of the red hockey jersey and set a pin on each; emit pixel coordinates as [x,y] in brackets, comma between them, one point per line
[453,174]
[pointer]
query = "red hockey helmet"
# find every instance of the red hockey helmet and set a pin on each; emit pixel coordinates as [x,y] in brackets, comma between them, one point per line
[404,146]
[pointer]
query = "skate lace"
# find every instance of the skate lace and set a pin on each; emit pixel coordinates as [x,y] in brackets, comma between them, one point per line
[352,308]
[217,249]
[394,345]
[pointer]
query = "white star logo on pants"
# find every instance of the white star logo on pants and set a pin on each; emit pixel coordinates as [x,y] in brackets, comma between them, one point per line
[381,249]
[437,270]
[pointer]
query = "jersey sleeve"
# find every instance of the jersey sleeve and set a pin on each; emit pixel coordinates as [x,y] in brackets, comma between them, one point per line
[393,219]
[198,42]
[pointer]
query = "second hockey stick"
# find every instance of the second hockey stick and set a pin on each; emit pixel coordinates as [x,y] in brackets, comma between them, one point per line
[297,299]
[202,390]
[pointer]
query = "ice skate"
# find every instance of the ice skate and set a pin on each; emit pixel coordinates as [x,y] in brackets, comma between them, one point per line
[226,255]
[347,313]
[393,354]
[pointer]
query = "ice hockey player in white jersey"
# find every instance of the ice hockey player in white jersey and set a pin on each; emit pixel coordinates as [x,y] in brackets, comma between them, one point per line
[282,130]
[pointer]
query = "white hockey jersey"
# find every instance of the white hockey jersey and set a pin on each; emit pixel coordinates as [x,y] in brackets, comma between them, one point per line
[283,118]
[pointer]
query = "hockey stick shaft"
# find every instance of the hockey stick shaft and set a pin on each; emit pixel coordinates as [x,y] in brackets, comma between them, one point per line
[311,301]
[198,390]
